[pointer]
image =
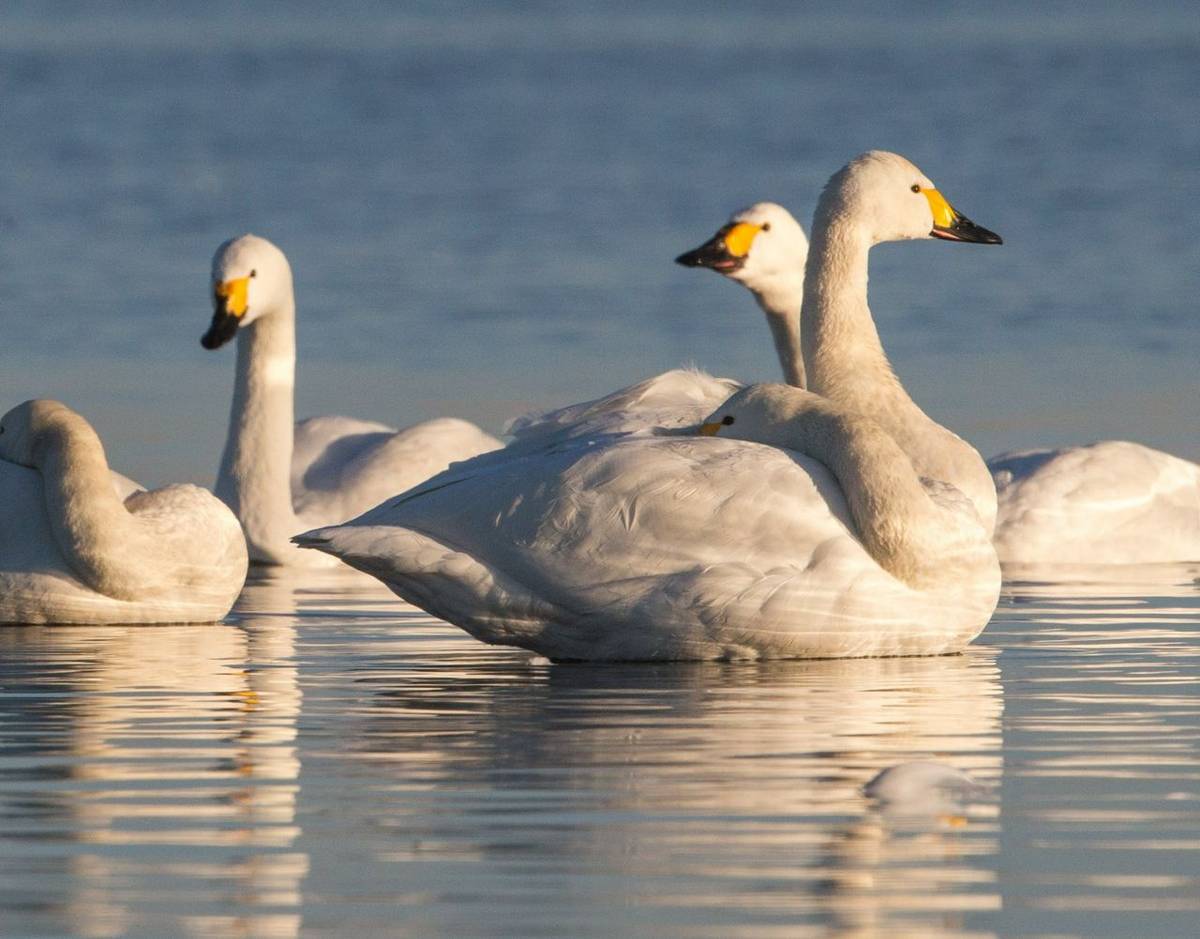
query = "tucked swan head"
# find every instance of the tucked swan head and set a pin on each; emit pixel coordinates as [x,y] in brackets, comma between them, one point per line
[894,201]
[251,278]
[758,247]
[27,426]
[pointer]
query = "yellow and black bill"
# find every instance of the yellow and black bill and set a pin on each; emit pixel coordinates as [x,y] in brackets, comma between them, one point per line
[951,225]
[726,251]
[229,306]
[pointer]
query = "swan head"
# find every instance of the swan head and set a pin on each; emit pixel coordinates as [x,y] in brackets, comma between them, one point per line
[892,200]
[251,278]
[25,427]
[759,247]
[760,413]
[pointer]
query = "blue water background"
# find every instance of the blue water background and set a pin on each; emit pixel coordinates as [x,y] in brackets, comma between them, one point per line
[481,203]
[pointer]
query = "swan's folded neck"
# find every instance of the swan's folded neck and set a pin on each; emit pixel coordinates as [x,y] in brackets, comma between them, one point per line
[255,475]
[781,302]
[101,542]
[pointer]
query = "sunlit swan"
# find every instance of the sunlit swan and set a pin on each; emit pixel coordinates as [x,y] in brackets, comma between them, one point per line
[655,544]
[73,551]
[1109,503]
[764,248]
[281,479]
[689,547]
[841,349]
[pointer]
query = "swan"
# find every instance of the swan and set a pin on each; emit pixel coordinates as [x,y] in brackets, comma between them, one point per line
[72,550]
[1112,502]
[793,525]
[278,478]
[764,248]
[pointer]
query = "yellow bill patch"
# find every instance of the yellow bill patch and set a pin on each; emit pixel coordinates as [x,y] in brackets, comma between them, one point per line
[235,294]
[943,213]
[739,238]
[710,428]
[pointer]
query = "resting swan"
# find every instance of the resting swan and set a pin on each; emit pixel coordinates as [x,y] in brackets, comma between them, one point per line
[651,544]
[278,478]
[820,319]
[1112,502]
[74,551]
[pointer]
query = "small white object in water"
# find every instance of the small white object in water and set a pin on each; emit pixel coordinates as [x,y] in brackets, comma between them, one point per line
[921,784]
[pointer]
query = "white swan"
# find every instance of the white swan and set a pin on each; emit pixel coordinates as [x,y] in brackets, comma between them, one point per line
[74,551]
[659,545]
[278,478]
[1112,502]
[764,249]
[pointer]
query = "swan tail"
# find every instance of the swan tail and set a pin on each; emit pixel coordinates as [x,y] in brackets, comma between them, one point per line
[444,582]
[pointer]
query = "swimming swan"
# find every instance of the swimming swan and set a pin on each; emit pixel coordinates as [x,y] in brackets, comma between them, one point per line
[763,248]
[278,478]
[73,551]
[1112,502]
[663,545]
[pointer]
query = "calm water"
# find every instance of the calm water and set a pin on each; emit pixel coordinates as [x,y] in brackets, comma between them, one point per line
[332,760]
[481,202]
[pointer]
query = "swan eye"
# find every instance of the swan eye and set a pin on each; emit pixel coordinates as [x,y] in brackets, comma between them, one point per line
[254,273]
[727,420]
[766,226]
[916,187]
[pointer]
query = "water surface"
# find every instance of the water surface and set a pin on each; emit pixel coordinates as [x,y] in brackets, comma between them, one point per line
[333,760]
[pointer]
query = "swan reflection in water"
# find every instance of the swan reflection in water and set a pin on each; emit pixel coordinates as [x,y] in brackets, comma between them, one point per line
[647,782]
[174,773]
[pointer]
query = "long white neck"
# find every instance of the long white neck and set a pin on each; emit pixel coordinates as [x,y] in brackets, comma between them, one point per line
[846,363]
[255,475]
[845,358]
[781,302]
[101,542]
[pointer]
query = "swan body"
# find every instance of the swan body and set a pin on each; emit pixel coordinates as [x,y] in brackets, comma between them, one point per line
[280,477]
[1112,502]
[75,548]
[810,534]
[667,546]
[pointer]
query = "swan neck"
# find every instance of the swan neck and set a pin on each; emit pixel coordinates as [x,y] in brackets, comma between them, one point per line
[255,475]
[96,535]
[842,350]
[782,309]
[900,526]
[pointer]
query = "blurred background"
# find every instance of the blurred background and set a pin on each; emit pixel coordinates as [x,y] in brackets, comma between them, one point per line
[481,203]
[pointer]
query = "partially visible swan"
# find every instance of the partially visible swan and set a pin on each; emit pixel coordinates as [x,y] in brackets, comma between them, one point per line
[1113,502]
[654,544]
[764,248]
[278,478]
[73,551]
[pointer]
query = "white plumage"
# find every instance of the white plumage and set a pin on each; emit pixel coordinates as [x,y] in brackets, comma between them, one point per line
[598,535]
[80,544]
[1112,502]
[281,478]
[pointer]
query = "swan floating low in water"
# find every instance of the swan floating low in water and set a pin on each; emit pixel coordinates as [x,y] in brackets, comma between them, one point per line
[793,526]
[1108,503]
[281,478]
[75,549]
